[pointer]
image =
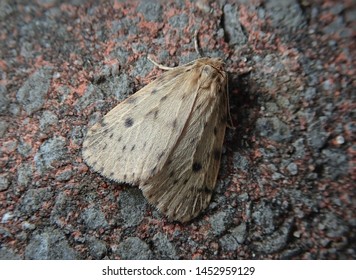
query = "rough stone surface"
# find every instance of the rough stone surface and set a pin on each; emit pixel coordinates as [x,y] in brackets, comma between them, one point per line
[132,207]
[4,100]
[94,218]
[234,31]
[52,150]
[33,92]
[49,244]
[133,248]
[163,248]
[97,248]
[273,128]
[220,221]
[34,199]
[4,182]
[8,254]
[235,238]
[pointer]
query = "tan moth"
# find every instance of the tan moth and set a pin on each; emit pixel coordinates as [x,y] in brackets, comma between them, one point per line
[167,138]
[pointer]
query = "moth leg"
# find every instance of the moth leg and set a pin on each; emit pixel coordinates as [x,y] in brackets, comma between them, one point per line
[159,65]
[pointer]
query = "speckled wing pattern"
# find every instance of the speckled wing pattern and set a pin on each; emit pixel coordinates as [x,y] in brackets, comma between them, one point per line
[167,138]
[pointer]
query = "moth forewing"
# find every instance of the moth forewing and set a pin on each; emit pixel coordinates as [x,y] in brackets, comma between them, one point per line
[167,138]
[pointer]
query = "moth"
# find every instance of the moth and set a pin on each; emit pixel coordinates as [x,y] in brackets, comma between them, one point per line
[167,138]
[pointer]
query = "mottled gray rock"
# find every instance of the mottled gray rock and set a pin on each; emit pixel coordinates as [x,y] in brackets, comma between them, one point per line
[220,221]
[97,248]
[24,174]
[132,207]
[263,216]
[63,206]
[151,10]
[285,14]
[336,163]
[47,119]
[235,33]
[317,135]
[52,150]
[24,148]
[4,182]
[163,249]
[34,199]
[49,244]
[91,95]
[179,21]
[273,128]
[292,168]
[33,92]
[333,225]
[241,162]
[3,127]
[276,241]
[28,226]
[142,67]
[65,175]
[233,240]
[94,218]
[133,248]
[6,217]
[122,86]
[299,148]
[4,100]
[8,254]
[129,24]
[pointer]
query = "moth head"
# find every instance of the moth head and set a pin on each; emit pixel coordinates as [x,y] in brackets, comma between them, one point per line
[212,72]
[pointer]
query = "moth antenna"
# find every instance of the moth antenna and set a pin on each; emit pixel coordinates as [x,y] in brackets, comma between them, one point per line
[159,65]
[196,44]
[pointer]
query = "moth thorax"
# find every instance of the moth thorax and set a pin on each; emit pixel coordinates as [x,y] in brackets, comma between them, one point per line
[208,75]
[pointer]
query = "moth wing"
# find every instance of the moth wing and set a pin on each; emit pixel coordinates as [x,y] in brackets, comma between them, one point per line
[132,141]
[184,186]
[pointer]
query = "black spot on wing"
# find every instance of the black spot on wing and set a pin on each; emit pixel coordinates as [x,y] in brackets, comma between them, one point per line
[133,148]
[124,148]
[160,155]
[215,130]
[154,91]
[153,112]
[153,170]
[164,98]
[111,135]
[174,124]
[129,122]
[196,166]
